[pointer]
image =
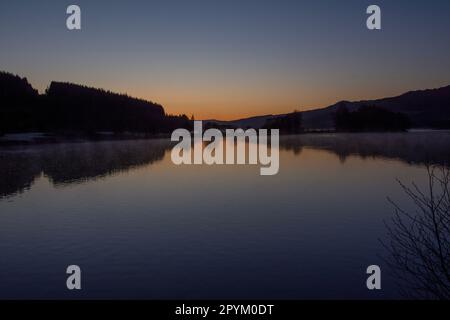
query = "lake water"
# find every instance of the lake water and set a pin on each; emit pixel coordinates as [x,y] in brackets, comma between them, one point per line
[141,227]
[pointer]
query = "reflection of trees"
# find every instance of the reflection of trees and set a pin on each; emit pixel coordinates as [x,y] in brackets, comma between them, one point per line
[75,162]
[17,173]
[419,240]
[413,148]
[292,143]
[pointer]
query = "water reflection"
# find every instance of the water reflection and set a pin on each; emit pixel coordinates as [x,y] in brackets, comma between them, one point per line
[432,147]
[71,163]
[74,162]
[145,228]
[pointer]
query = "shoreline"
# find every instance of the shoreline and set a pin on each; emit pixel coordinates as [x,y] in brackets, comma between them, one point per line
[37,138]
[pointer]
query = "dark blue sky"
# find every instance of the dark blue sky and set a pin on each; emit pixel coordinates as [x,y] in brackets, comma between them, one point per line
[227,59]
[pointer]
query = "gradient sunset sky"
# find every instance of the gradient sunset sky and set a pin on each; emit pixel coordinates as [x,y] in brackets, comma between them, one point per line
[230,59]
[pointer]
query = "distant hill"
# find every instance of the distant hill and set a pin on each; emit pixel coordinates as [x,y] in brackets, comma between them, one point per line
[71,108]
[425,109]
[253,122]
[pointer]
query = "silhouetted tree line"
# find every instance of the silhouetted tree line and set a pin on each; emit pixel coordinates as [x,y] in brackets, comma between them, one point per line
[221,127]
[17,99]
[70,108]
[369,118]
[288,124]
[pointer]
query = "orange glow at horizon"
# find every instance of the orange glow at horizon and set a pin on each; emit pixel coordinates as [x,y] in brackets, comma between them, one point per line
[221,107]
[222,96]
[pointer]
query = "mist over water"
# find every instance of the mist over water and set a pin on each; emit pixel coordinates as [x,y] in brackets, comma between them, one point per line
[141,227]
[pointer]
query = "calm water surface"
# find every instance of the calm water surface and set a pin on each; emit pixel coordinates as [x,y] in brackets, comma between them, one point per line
[141,227]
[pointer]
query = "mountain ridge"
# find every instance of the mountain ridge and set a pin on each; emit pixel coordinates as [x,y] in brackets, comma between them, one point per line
[427,108]
[68,106]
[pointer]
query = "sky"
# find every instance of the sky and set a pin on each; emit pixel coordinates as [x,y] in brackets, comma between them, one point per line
[228,59]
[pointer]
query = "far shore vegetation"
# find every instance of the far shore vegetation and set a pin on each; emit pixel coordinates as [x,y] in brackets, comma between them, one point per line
[68,111]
